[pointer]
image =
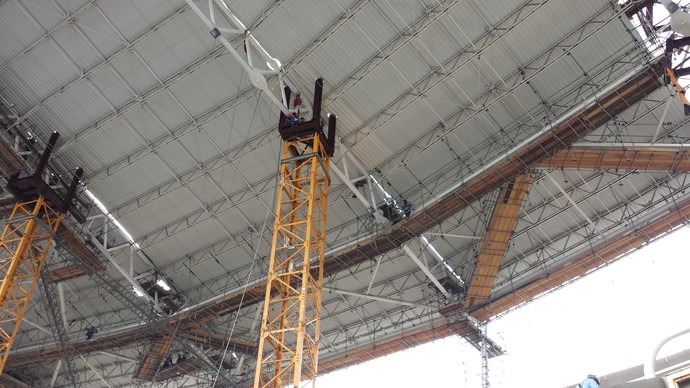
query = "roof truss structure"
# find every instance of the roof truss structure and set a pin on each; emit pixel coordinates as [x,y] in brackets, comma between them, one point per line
[531,153]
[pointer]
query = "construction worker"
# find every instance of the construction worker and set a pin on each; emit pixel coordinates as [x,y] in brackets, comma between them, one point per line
[591,381]
[90,332]
[407,208]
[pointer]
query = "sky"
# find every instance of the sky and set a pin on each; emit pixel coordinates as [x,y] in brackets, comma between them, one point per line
[604,322]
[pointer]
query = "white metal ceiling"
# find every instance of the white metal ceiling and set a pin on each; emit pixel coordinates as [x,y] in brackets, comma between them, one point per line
[183,151]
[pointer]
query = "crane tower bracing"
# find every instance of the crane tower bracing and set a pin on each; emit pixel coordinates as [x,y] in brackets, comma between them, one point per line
[25,241]
[289,340]
[24,249]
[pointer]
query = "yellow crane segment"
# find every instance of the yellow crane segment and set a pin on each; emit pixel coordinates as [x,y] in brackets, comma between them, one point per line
[25,241]
[289,339]
[25,245]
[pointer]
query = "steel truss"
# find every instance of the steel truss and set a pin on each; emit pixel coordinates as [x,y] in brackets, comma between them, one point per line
[59,330]
[25,242]
[452,123]
[289,338]
[208,254]
[147,313]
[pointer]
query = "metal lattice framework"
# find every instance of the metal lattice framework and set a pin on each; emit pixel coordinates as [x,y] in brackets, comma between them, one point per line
[436,98]
[289,339]
[25,243]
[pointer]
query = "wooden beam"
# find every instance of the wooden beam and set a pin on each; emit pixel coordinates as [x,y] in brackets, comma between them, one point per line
[220,307]
[179,369]
[603,253]
[494,245]
[219,342]
[647,159]
[154,358]
[76,247]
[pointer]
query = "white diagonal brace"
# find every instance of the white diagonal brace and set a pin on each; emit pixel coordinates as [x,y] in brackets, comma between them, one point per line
[346,181]
[426,271]
[63,305]
[373,275]
[90,238]
[39,327]
[257,76]
[453,235]
[426,244]
[96,372]
[345,178]
[58,365]
[573,203]
[379,298]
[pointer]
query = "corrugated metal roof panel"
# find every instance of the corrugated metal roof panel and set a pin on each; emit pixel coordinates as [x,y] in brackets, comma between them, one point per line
[328,62]
[210,86]
[248,11]
[132,180]
[32,79]
[78,107]
[131,17]
[175,45]
[146,121]
[286,32]
[48,16]
[166,109]
[95,153]
[135,73]
[491,13]
[111,86]
[74,45]
[165,210]
[19,33]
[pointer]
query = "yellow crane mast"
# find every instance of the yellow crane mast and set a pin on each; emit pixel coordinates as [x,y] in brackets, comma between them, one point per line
[289,340]
[25,241]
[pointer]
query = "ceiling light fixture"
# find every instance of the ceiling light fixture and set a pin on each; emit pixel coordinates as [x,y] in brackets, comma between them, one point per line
[163,284]
[138,292]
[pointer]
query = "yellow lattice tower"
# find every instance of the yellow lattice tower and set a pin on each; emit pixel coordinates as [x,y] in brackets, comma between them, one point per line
[290,330]
[25,241]
[24,244]
[289,340]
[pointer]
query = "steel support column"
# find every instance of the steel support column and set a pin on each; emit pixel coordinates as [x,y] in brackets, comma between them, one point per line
[289,338]
[24,245]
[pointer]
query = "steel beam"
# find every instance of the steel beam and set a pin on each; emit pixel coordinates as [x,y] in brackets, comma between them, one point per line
[426,271]
[378,298]
[256,75]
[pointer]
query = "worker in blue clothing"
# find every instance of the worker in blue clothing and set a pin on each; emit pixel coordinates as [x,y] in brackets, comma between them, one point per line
[591,381]
[90,332]
[407,208]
